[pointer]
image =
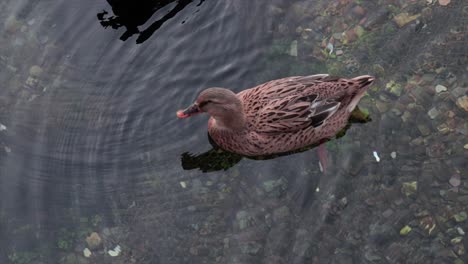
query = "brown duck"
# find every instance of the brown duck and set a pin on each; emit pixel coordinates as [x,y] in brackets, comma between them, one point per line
[281,115]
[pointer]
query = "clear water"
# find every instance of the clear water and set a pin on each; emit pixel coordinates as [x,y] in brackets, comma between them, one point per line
[89,141]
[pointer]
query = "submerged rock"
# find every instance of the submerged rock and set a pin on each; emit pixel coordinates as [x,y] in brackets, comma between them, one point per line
[387,213]
[72,259]
[462,102]
[444,2]
[460,217]
[459,91]
[251,248]
[36,71]
[378,69]
[433,113]
[93,240]
[424,129]
[358,11]
[275,187]
[281,213]
[456,240]
[243,219]
[302,243]
[12,24]
[381,233]
[455,180]
[293,48]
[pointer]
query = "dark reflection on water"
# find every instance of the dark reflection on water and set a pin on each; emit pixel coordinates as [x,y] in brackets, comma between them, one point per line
[131,15]
[89,141]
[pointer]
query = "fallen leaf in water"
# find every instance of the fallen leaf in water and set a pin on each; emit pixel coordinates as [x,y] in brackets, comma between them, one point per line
[444,2]
[404,18]
[114,252]
[409,188]
[405,230]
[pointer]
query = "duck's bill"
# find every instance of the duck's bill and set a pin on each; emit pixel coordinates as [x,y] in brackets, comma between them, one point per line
[189,111]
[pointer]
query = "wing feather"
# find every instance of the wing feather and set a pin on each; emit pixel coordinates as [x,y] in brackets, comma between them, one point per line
[290,114]
[291,104]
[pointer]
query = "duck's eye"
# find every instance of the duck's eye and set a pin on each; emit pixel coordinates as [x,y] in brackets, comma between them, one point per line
[202,104]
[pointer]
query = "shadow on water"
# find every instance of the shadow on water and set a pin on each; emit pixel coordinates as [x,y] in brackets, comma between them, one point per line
[130,15]
[217,159]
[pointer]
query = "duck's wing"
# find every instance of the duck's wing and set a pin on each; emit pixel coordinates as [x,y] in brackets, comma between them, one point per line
[284,87]
[293,113]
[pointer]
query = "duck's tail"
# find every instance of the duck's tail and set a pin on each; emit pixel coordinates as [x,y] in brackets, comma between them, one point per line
[363,82]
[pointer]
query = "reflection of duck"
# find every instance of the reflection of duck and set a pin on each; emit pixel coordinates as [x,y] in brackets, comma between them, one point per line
[133,14]
[280,115]
[216,159]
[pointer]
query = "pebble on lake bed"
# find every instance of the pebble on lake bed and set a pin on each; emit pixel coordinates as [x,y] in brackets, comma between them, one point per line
[36,71]
[183,184]
[462,102]
[456,240]
[293,48]
[93,240]
[444,2]
[87,252]
[440,88]
[433,113]
[460,217]
[455,180]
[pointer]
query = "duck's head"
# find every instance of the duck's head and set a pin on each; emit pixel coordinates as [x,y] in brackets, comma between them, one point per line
[217,102]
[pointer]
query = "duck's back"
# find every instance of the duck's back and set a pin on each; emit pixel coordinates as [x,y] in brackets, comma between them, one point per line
[299,92]
[294,112]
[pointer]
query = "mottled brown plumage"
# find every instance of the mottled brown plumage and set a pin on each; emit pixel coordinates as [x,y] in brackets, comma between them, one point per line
[281,115]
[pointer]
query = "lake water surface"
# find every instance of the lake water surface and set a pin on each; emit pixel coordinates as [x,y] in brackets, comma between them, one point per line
[96,168]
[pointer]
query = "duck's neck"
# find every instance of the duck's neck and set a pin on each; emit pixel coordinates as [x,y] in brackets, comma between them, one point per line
[232,121]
